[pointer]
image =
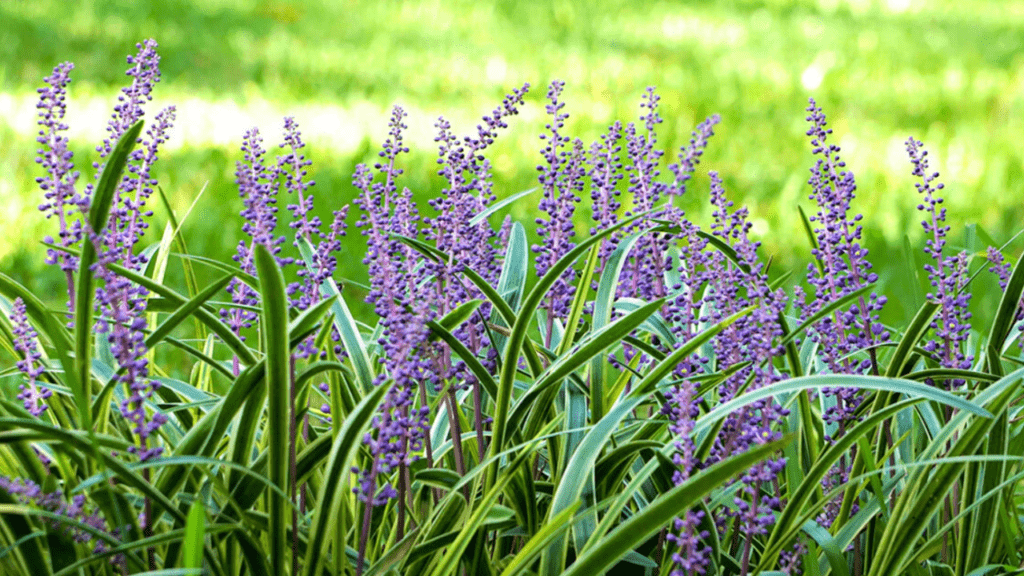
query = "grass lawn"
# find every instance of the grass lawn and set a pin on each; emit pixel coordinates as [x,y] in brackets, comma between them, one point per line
[949,73]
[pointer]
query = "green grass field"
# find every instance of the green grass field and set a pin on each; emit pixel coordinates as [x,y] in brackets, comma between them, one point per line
[949,73]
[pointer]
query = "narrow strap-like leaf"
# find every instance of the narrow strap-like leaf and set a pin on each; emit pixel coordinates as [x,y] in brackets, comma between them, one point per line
[274,334]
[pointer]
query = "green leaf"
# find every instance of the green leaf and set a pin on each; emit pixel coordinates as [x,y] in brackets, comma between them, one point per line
[345,323]
[581,465]
[208,318]
[485,213]
[592,345]
[195,530]
[898,386]
[603,304]
[899,363]
[460,314]
[453,554]
[927,487]
[184,311]
[788,523]
[556,526]
[517,338]
[274,335]
[512,282]
[603,555]
[344,448]
[80,381]
[578,301]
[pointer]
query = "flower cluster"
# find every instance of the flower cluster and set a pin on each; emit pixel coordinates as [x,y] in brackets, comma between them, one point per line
[842,268]
[31,394]
[1001,268]
[122,303]
[58,186]
[562,181]
[692,553]
[76,511]
[948,275]
[403,305]
[259,197]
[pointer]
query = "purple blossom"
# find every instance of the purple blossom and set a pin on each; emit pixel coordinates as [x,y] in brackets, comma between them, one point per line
[28,492]
[1001,269]
[122,304]
[62,199]
[604,174]
[404,308]
[31,365]
[844,265]
[293,166]
[689,157]
[732,287]
[562,182]
[843,268]
[473,246]
[691,556]
[643,277]
[948,275]
[256,186]
[468,192]
[145,73]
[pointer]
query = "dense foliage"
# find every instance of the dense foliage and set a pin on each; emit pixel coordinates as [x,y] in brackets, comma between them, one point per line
[651,403]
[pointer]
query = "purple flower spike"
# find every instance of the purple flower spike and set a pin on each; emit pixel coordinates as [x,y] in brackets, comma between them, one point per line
[33,397]
[62,200]
[145,73]
[605,174]
[844,264]
[948,275]
[29,493]
[562,181]
[1001,269]
[689,157]
[691,556]
[259,196]
[293,165]
[121,303]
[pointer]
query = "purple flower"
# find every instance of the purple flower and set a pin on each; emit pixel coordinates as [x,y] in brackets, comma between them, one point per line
[293,166]
[948,275]
[562,182]
[62,199]
[28,492]
[145,73]
[689,157]
[1001,269]
[844,265]
[473,246]
[403,305]
[122,304]
[469,192]
[691,556]
[33,396]
[604,174]
[256,186]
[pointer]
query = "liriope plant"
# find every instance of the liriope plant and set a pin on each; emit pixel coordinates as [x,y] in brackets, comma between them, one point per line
[645,401]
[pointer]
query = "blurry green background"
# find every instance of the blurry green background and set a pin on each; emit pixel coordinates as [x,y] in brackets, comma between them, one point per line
[950,73]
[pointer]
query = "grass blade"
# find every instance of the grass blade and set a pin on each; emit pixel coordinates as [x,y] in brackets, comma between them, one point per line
[274,333]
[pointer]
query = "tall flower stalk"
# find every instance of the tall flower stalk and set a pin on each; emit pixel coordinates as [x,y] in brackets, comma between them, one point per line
[947,275]
[58,185]
[123,304]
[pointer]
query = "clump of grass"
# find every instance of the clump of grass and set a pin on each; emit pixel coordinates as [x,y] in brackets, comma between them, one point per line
[652,402]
